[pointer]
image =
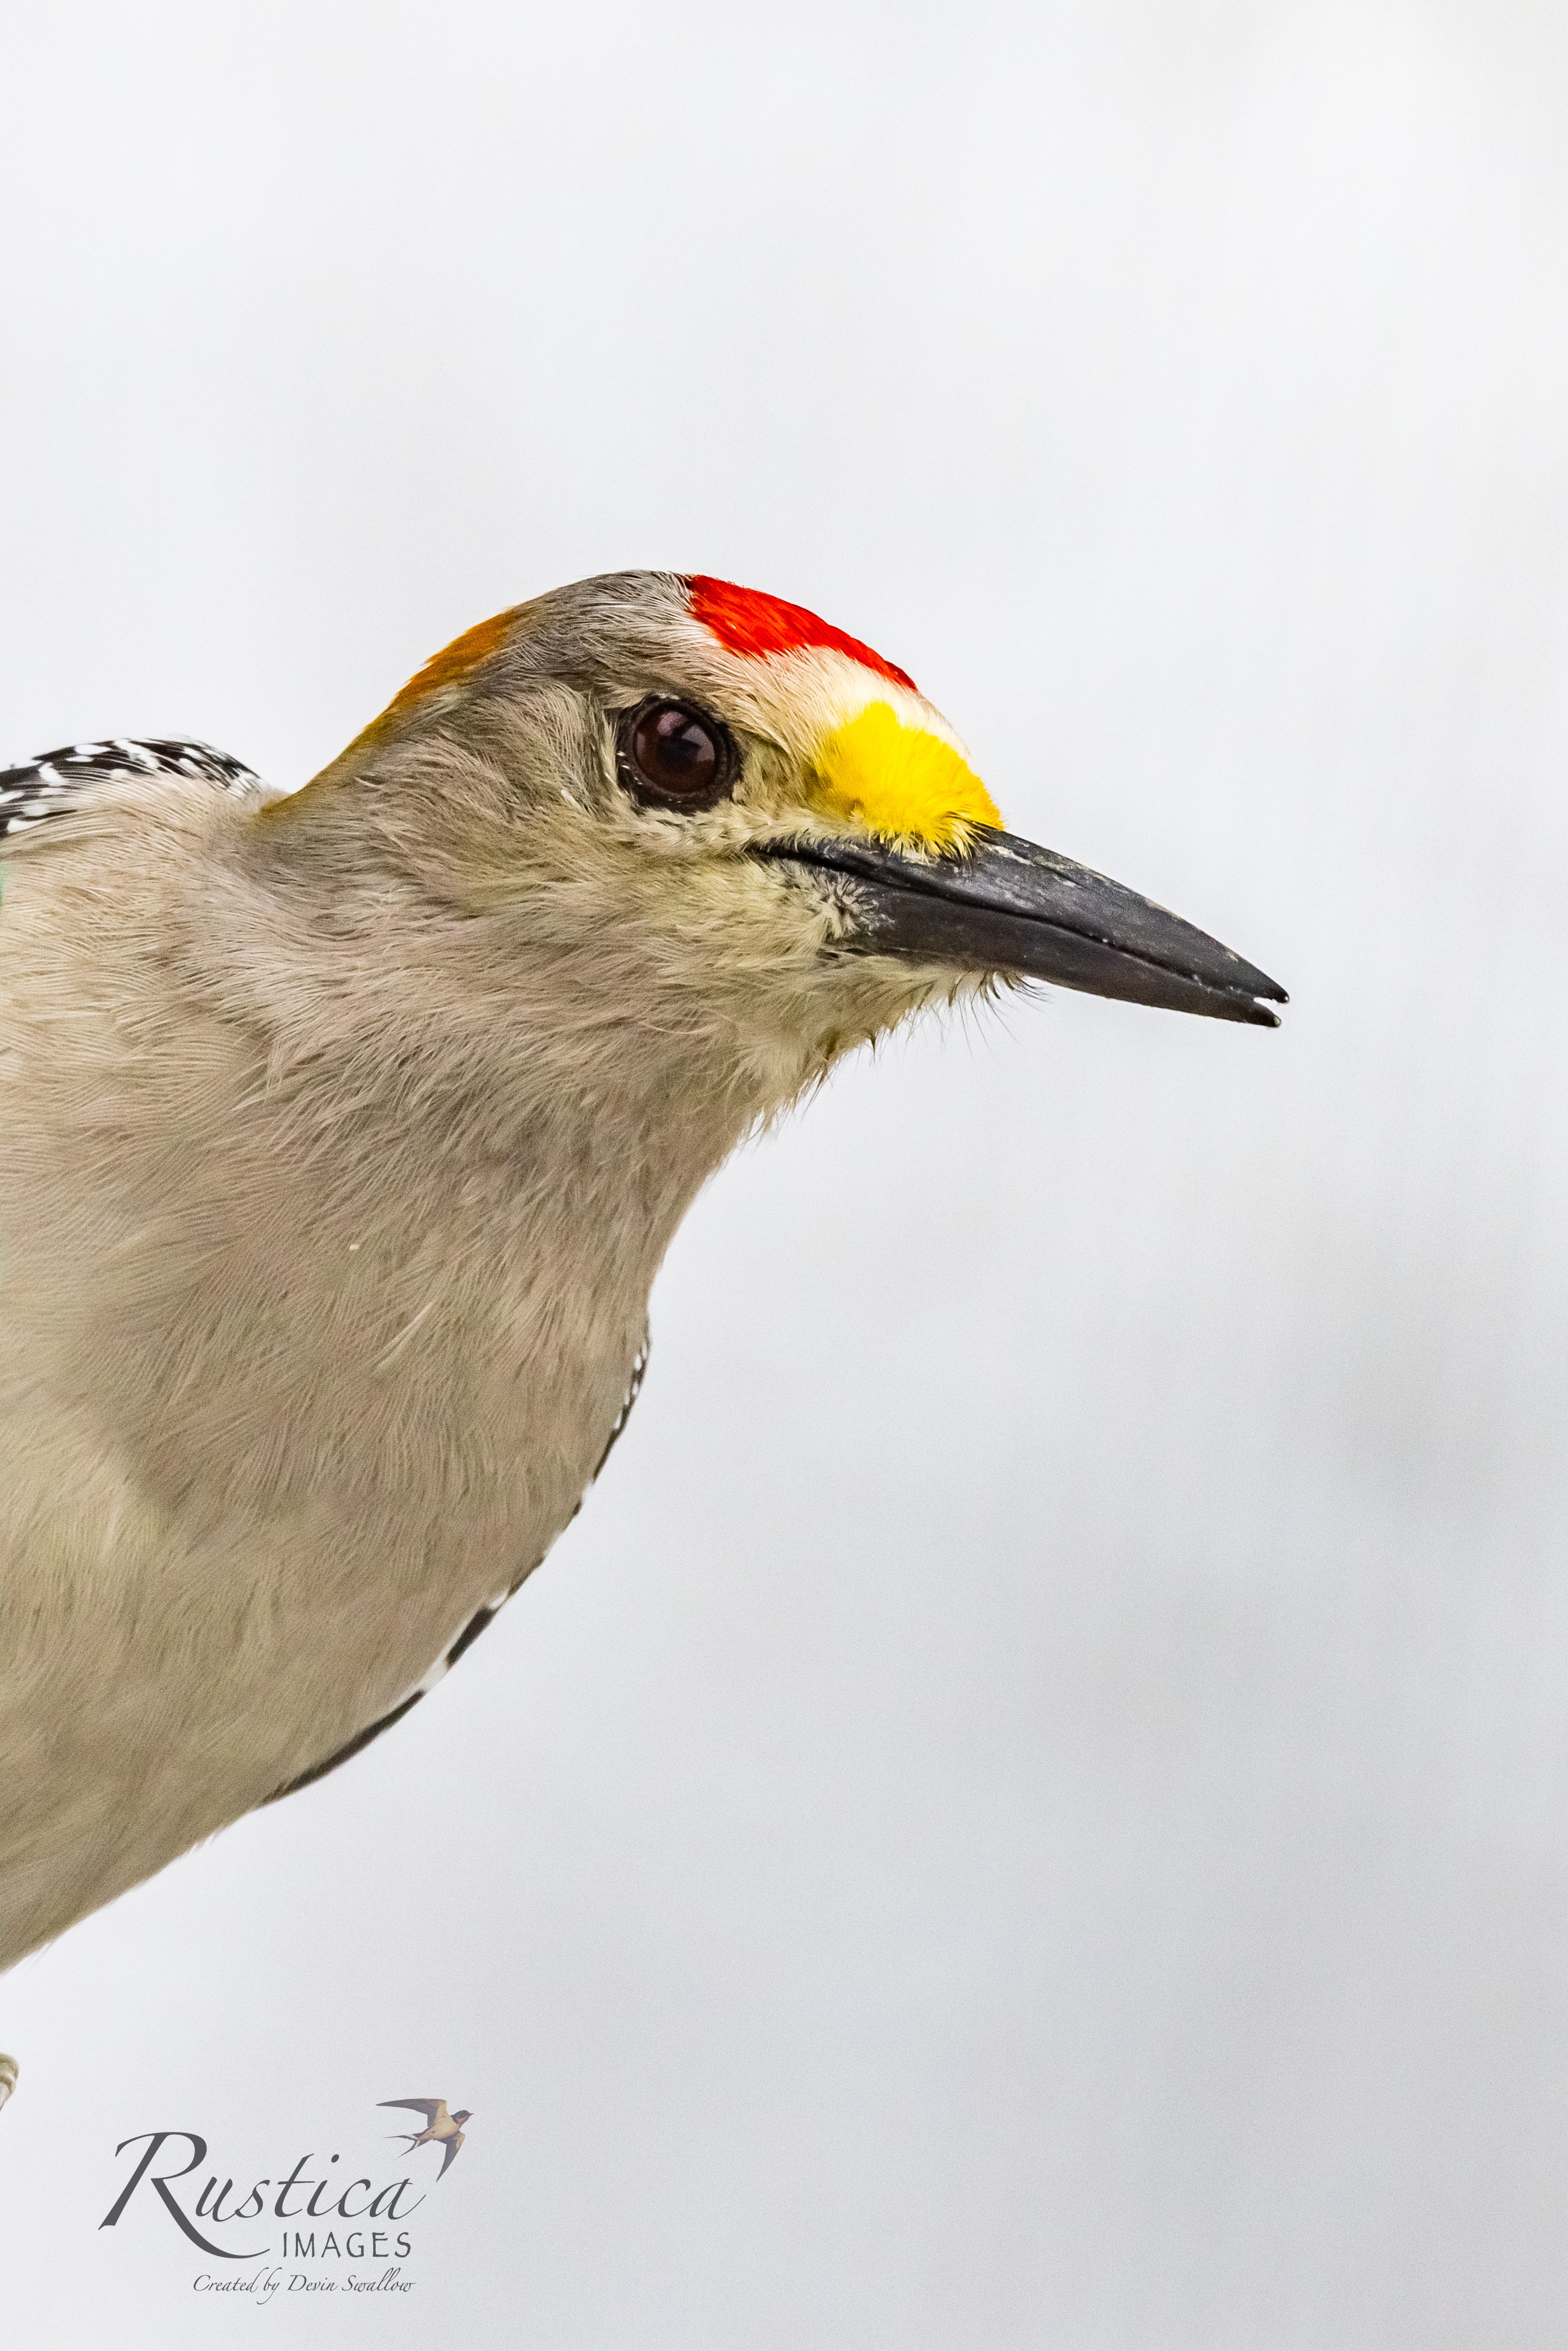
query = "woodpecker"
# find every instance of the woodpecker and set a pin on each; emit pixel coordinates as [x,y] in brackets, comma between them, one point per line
[344,1129]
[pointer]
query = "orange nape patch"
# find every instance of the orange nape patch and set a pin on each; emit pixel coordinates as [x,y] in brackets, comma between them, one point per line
[456,660]
[903,783]
[453,661]
[747,622]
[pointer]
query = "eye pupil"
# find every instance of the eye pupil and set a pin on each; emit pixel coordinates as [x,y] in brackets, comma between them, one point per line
[675,749]
[674,755]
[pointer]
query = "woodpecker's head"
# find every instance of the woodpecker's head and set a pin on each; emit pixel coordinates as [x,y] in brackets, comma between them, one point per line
[702,826]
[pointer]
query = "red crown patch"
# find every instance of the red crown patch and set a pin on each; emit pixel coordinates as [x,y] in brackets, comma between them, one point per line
[749,622]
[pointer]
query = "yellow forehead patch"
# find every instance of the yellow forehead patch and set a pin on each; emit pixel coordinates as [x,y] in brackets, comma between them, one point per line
[901,781]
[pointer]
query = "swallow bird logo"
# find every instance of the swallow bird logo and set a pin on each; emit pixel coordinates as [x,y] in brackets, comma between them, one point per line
[440,2129]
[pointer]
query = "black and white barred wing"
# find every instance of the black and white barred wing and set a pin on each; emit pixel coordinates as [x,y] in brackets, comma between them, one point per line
[62,781]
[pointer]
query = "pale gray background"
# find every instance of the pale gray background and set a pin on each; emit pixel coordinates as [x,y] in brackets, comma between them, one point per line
[1032,1809]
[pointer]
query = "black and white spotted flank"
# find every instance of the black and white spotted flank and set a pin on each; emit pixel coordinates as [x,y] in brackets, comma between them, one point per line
[60,781]
[478,1623]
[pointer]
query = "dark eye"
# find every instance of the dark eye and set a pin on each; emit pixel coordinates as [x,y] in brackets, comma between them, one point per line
[676,755]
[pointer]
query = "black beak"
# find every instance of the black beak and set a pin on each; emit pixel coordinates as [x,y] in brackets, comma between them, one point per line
[1008,906]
